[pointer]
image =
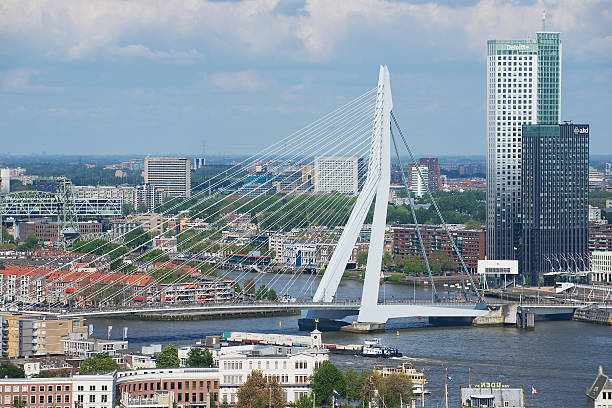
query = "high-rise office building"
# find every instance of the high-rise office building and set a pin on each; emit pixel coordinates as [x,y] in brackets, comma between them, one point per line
[419,185]
[523,87]
[5,183]
[554,199]
[342,174]
[172,174]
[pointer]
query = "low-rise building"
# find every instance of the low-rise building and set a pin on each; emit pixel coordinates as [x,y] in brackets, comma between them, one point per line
[202,291]
[599,394]
[88,391]
[193,387]
[492,396]
[79,344]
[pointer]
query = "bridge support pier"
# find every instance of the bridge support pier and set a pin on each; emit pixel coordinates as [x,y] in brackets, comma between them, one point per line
[363,327]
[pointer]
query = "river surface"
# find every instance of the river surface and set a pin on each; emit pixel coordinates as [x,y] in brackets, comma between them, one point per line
[557,358]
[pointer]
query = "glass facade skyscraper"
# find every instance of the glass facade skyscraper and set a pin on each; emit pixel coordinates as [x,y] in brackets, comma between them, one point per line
[523,87]
[554,199]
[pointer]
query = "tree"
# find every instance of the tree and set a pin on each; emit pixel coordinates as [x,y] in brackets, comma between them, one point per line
[325,379]
[168,357]
[199,357]
[127,209]
[248,286]
[98,362]
[355,381]
[393,389]
[305,401]
[136,238]
[6,237]
[440,261]
[30,243]
[11,371]
[258,392]
[362,258]
[387,260]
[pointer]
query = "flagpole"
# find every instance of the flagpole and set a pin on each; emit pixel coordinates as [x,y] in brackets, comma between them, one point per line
[446,387]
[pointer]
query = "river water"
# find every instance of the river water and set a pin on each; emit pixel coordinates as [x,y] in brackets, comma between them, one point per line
[557,358]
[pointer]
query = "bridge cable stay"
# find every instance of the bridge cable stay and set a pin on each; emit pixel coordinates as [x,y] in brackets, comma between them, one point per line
[358,102]
[295,149]
[430,196]
[331,174]
[434,292]
[295,197]
[326,215]
[271,215]
[281,271]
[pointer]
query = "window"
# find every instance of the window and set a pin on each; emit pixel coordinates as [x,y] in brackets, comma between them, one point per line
[105,388]
[66,398]
[58,398]
[92,398]
[92,388]
[80,398]
[50,388]
[104,398]
[67,388]
[49,399]
[58,388]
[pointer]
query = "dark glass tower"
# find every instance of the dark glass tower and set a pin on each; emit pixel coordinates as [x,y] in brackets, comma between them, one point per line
[554,199]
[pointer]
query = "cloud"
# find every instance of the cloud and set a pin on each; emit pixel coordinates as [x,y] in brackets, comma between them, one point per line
[20,81]
[248,80]
[314,30]
[140,51]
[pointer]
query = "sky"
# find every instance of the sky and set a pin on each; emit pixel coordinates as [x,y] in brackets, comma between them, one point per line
[160,76]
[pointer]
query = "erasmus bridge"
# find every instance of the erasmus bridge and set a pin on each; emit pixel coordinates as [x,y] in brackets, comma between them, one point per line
[365,127]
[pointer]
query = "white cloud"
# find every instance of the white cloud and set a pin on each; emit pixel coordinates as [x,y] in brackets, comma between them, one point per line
[140,51]
[20,81]
[248,80]
[78,29]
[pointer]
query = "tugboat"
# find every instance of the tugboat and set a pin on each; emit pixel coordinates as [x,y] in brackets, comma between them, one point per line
[373,348]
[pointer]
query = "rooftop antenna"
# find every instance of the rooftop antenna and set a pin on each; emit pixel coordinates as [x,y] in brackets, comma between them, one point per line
[544,21]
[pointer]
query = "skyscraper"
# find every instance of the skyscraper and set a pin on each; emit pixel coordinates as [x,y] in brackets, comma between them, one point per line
[433,167]
[172,174]
[523,87]
[554,199]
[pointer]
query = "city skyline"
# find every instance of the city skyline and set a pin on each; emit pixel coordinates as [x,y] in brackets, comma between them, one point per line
[71,85]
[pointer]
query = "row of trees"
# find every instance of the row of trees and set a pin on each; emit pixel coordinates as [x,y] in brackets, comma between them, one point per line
[439,261]
[360,387]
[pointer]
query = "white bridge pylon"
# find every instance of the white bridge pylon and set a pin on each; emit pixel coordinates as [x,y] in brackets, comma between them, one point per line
[376,185]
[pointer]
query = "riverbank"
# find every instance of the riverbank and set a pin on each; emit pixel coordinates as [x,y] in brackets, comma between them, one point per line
[212,315]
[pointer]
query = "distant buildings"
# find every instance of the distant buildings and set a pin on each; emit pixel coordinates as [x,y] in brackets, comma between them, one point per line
[5,181]
[172,174]
[597,179]
[554,199]
[341,174]
[430,169]
[470,243]
[600,237]
[46,231]
[523,87]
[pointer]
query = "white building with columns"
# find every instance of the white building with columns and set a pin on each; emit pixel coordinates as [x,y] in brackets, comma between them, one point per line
[291,366]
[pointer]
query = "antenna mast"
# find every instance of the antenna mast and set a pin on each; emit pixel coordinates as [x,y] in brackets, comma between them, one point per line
[544,21]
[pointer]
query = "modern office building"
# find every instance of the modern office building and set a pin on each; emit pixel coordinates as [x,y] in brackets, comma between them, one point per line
[172,174]
[342,174]
[523,87]
[554,197]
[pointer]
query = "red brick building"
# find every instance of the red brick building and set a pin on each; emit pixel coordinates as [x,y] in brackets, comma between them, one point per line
[471,243]
[600,237]
[47,231]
